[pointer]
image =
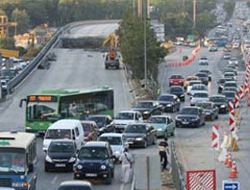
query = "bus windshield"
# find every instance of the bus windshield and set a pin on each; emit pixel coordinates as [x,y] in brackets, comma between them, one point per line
[12,161]
[41,110]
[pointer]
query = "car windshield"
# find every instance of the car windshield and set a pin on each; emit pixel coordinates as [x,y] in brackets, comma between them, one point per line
[176,77]
[61,147]
[205,71]
[176,89]
[58,134]
[86,126]
[203,59]
[229,94]
[194,82]
[112,140]
[166,98]
[144,105]
[230,85]
[229,75]
[75,187]
[99,153]
[11,161]
[233,59]
[217,99]
[201,95]
[189,111]
[199,87]
[201,75]
[205,105]
[158,120]
[100,121]
[125,116]
[135,129]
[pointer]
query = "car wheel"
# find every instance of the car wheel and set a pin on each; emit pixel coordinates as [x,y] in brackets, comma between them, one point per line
[113,173]
[173,132]
[108,181]
[46,169]
[217,116]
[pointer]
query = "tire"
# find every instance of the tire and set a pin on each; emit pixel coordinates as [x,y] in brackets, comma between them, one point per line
[106,67]
[46,169]
[173,133]
[117,67]
[108,181]
[113,173]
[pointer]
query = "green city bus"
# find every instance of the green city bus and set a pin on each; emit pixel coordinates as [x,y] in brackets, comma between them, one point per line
[49,106]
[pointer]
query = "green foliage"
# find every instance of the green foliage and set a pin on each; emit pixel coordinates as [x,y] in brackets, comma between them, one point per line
[22,18]
[229,7]
[131,43]
[7,43]
[205,20]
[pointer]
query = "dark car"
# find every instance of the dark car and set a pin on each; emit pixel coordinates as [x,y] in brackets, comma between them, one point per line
[91,130]
[234,89]
[75,185]
[221,102]
[221,82]
[203,77]
[176,80]
[230,95]
[178,91]
[209,73]
[230,84]
[104,123]
[148,108]
[140,135]
[95,160]
[228,69]
[210,109]
[203,61]
[61,154]
[190,117]
[170,102]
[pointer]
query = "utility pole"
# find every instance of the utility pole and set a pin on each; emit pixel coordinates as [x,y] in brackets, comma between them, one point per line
[145,43]
[194,13]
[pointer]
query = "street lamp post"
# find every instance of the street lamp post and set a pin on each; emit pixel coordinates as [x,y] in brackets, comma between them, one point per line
[145,44]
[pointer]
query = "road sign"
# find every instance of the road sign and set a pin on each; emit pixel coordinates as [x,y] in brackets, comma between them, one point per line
[231,185]
[201,180]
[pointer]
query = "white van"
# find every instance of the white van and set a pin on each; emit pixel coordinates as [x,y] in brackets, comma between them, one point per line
[64,129]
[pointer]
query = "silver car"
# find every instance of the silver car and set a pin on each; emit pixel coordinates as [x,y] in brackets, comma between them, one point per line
[79,185]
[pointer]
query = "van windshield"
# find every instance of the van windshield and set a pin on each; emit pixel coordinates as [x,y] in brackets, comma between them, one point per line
[58,134]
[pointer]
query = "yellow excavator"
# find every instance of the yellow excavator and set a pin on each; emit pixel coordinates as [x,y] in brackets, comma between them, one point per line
[112,59]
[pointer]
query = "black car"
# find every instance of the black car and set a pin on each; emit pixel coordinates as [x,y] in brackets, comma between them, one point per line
[178,91]
[207,72]
[203,77]
[190,117]
[95,160]
[170,102]
[221,102]
[148,108]
[210,109]
[140,135]
[61,154]
[230,95]
[104,123]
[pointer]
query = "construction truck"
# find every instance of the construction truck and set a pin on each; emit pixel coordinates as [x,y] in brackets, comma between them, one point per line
[112,58]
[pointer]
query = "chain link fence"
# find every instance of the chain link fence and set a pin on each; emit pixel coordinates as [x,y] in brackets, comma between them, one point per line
[177,172]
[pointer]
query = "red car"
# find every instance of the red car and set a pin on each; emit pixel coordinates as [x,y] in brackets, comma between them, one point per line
[176,80]
[91,131]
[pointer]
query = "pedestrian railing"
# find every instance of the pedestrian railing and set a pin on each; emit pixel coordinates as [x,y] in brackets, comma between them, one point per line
[177,172]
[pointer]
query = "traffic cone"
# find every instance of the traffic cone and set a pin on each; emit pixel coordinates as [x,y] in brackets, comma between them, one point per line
[235,166]
[229,162]
[233,172]
[235,145]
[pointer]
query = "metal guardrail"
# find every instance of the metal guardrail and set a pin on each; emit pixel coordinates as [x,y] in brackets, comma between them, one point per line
[179,179]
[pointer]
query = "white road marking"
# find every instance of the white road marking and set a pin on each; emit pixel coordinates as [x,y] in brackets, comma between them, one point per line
[55,179]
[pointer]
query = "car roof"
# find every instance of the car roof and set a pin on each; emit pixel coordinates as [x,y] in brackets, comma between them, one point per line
[228,91]
[176,86]
[76,183]
[129,111]
[152,101]
[219,96]
[167,95]
[95,144]
[111,135]
[228,82]
[64,124]
[63,140]
[195,107]
[88,121]
[163,116]
[98,116]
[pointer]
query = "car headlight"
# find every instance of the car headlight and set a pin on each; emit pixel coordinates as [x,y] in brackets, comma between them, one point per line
[72,159]
[48,159]
[103,167]
[146,112]
[177,119]
[222,106]
[181,95]
[160,129]
[169,105]
[117,152]
[195,119]
[19,184]
[139,139]
[79,166]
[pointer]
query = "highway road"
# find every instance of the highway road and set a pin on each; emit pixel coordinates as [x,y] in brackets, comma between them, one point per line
[74,68]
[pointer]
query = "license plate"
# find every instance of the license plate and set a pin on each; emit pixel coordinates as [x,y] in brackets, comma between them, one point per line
[130,142]
[60,165]
[91,175]
[185,122]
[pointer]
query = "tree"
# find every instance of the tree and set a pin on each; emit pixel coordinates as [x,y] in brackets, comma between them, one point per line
[131,43]
[7,43]
[22,19]
[229,8]
[205,20]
